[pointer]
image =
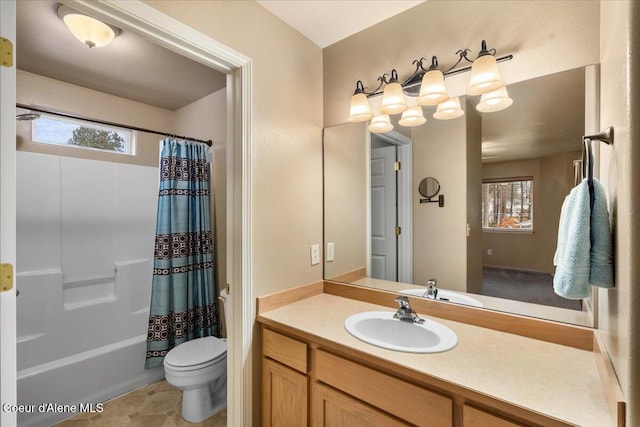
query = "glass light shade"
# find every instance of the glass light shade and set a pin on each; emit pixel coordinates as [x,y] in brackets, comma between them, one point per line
[88,30]
[449,109]
[494,101]
[380,124]
[485,76]
[393,99]
[360,110]
[432,89]
[412,116]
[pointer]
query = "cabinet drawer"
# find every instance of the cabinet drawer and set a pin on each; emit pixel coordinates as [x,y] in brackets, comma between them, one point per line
[473,417]
[285,350]
[407,401]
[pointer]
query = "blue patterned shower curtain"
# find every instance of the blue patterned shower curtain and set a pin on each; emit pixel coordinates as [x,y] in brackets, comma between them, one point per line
[182,294]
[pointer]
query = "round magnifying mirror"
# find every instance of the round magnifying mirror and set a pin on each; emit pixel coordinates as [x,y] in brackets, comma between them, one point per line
[429,187]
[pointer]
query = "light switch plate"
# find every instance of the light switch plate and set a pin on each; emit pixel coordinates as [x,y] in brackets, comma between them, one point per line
[330,251]
[315,254]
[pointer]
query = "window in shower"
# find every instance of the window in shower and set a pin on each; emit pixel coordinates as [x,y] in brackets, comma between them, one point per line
[69,132]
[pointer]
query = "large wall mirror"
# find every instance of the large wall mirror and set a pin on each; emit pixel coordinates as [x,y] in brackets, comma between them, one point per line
[505,175]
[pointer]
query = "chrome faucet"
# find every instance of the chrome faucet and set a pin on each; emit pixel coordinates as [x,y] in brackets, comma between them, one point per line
[405,312]
[432,289]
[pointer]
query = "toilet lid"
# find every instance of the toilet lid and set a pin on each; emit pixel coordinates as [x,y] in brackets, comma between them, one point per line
[196,352]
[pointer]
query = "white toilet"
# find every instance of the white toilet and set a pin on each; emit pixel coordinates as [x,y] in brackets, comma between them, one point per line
[199,368]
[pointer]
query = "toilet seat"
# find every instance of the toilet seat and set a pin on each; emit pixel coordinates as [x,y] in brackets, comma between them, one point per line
[196,354]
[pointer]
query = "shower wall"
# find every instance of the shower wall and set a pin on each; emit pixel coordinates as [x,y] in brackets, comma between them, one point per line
[85,255]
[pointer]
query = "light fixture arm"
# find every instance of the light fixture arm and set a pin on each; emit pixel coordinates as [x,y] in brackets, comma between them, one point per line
[416,78]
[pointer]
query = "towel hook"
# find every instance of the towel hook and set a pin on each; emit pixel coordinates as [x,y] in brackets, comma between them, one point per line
[605,136]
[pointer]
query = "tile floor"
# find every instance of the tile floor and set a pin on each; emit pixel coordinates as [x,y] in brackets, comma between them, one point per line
[155,405]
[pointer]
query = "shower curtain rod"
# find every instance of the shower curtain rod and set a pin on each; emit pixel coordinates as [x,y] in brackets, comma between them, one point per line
[107,123]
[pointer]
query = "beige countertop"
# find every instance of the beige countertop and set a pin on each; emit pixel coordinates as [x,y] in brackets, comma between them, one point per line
[551,379]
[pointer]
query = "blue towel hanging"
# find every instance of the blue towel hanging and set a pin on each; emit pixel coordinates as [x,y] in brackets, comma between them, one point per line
[584,254]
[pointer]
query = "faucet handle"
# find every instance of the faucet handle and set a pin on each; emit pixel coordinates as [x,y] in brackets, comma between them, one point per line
[432,282]
[403,302]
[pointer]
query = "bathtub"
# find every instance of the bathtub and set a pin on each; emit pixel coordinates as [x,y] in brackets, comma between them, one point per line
[81,341]
[90,377]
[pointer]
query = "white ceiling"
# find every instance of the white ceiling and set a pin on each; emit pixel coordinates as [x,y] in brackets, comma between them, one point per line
[131,66]
[325,22]
[134,68]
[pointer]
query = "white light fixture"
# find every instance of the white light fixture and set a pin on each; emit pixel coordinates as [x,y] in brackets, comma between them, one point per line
[412,116]
[432,89]
[494,101]
[380,124]
[449,109]
[360,110]
[485,76]
[426,87]
[393,98]
[88,30]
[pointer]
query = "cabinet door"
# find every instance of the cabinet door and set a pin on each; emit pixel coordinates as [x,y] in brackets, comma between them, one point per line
[284,396]
[334,409]
[473,417]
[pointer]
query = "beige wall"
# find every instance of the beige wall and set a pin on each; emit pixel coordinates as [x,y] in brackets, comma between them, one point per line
[206,119]
[552,181]
[287,134]
[345,189]
[439,234]
[619,315]
[33,89]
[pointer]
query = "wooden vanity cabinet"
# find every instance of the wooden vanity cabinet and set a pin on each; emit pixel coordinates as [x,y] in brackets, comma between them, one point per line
[331,408]
[285,398]
[305,385]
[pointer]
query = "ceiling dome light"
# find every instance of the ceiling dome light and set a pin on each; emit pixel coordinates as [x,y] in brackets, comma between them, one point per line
[433,90]
[485,76]
[360,110]
[494,101]
[393,98]
[380,124]
[412,116]
[88,30]
[449,109]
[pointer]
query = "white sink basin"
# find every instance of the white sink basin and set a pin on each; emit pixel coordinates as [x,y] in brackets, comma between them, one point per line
[445,295]
[381,329]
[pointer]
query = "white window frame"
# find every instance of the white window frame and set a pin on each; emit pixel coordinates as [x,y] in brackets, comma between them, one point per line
[130,135]
[505,229]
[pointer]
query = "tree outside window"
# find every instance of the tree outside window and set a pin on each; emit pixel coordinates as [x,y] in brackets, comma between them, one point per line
[96,138]
[507,205]
[82,134]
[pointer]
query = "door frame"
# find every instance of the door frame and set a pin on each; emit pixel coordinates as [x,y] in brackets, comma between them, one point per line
[180,38]
[8,357]
[405,204]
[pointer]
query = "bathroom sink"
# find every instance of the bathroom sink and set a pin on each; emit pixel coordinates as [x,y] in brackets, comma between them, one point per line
[381,329]
[445,295]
